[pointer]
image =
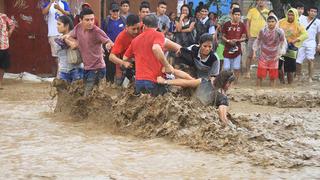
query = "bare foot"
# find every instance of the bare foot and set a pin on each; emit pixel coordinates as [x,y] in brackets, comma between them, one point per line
[160,80]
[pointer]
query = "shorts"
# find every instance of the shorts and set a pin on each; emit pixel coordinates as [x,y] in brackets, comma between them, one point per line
[250,47]
[4,59]
[219,51]
[288,63]
[232,64]
[305,53]
[149,87]
[92,78]
[262,73]
[73,75]
[53,46]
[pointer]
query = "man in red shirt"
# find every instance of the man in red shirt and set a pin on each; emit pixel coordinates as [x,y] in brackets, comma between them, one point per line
[147,49]
[233,33]
[123,42]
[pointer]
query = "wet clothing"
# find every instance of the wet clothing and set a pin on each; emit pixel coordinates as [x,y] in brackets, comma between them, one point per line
[148,67]
[262,73]
[149,87]
[288,64]
[270,44]
[208,95]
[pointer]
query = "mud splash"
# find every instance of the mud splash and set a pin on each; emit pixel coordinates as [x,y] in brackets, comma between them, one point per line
[282,140]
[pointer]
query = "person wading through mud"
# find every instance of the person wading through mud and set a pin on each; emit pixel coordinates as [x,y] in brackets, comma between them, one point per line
[90,40]
[150,61]
[271,44]
[124,40]
[209,91]
[67,71]
[295,35]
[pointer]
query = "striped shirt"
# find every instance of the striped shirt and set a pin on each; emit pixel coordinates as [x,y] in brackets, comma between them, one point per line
[5,23]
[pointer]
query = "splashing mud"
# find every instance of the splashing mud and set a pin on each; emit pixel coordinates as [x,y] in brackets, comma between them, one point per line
[281,140]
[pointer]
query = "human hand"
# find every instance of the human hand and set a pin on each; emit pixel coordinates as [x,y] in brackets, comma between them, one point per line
[109,45]
[126,64]
[169,69]
[56,6]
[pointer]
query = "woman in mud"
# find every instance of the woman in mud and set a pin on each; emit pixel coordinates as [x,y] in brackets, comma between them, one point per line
[202,57]
[210,91]
[67,71]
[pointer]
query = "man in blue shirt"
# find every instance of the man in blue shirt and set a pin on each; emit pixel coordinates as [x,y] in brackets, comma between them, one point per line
[112,26]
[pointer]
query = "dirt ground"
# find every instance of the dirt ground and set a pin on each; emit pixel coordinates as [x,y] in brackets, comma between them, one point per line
[274,127]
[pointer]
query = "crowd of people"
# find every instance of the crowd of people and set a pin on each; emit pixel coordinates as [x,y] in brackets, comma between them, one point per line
[196,49]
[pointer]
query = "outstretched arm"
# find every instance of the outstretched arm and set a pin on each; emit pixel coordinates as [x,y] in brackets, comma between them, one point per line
[180,82]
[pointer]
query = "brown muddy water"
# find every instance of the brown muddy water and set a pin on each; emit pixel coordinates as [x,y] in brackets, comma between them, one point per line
[35,143]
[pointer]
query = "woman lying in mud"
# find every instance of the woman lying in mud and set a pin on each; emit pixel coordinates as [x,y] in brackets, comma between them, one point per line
[210,91]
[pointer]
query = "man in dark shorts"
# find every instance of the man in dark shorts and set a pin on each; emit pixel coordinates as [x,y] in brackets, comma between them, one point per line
[6,28]
[209,91]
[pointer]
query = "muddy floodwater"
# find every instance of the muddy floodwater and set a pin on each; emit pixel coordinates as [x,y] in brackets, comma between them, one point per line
[36,143]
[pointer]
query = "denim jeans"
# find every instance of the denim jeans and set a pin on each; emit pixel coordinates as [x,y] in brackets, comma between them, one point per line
[73,75]
[149,87]
[92,78]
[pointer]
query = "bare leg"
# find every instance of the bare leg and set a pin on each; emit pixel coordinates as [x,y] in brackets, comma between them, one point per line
[180,82]
[272,83]
[248,64]
[290,77]
[221,65]
[259,82]
[310,68]
[298,71]
[1,77]
[237,74]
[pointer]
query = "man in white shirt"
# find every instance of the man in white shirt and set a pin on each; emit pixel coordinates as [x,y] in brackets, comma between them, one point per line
[309,46]
[53,9]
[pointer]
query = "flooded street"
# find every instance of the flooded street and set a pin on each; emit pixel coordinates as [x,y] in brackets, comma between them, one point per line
[36,144]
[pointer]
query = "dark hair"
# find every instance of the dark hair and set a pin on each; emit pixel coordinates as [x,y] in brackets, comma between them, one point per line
[271,11]
[312,7]
[205,37]
[299,5]
[236,10]
[144,4]
[162,2]
[132,19]
[223,78]
[124,2]
[185,5]
[271,17]
[85,11]
[234,3]
[204,7]
[66,20]
[150,20]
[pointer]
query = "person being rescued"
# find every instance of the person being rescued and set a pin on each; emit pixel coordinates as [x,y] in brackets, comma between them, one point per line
[201,58]
[209,91]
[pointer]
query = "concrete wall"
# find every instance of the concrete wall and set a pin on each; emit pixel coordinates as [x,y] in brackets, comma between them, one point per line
[2,6]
